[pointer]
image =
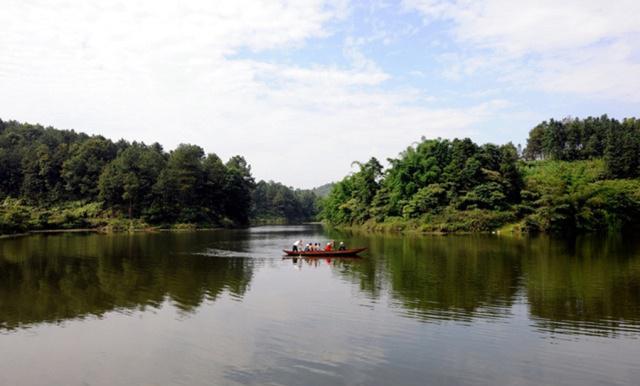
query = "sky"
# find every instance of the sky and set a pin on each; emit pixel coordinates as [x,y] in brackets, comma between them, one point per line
[303,88]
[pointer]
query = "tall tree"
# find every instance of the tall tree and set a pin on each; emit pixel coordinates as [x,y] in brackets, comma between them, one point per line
[126,183]
[82,169]
[238,187]
[214,197]
[183,181]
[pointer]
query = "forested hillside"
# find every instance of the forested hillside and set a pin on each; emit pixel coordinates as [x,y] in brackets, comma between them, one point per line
[618,143]
[274,202]
[576,175]
[323,190]
[59,179]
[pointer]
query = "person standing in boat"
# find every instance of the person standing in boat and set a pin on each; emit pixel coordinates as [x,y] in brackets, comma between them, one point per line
[296,246]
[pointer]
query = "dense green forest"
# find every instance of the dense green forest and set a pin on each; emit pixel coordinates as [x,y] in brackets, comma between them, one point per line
[274,202]
[574,175]
[53,179]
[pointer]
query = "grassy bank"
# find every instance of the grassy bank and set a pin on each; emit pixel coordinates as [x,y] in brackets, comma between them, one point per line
[449,221]
[16,217]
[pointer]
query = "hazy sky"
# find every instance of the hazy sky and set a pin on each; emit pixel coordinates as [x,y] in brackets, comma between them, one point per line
[302,88]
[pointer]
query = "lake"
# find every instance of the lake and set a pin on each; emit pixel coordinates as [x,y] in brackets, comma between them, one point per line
[224,308]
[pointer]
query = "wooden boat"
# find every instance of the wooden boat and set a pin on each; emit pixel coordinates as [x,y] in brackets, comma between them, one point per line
[334,253]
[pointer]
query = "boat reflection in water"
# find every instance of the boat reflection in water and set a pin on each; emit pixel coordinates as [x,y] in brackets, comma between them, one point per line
[335,253]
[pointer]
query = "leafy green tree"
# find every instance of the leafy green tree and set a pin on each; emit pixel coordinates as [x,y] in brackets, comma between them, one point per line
[622,151]
[308,202]
[238,188]
[337,207]
[81,171]
[426,179]
[36,167]
[213,196]
[429,199]
[126,183]
[589,138]
[593,137]
[181,184]
[10,173]
[484,196]
[511,177]
[273,201]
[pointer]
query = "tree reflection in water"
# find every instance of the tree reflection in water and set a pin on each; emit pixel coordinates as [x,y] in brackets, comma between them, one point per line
[587,285]
[590,284]
[53,278]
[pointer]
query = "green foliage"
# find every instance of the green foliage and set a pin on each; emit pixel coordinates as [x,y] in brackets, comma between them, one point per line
[574,197]
[484,196]
[126,183]
[239,185]
[179,187]
[44,168]
[323,190]
[622,151]
[84,164]
[573,185]
[448,220]
[427,180]
[430,199]
[275,202]
[16,216]
[575,139]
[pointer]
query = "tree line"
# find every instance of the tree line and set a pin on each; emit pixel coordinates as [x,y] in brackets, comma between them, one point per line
[275,202]
[425,178]
[573,175]
[43,166]
[571,139]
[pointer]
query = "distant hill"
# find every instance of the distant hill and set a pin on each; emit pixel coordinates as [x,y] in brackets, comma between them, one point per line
[323,190]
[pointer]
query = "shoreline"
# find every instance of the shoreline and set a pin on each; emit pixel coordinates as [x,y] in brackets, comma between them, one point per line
[430,229]
[102,230]
[151,229]
[416,232]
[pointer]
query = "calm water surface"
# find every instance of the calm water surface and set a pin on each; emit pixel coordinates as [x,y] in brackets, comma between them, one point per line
[224,308]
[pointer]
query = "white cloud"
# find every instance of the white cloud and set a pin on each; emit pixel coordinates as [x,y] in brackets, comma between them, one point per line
[174,71]
[587,47]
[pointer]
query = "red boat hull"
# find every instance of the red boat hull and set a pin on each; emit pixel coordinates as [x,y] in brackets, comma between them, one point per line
[336,253]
